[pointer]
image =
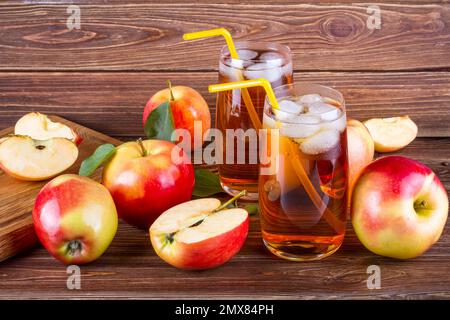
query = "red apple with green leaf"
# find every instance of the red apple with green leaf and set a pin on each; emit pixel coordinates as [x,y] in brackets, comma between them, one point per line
[145,180]
[186,106]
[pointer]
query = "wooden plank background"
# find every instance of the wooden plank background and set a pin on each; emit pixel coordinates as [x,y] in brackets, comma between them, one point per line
[102,75]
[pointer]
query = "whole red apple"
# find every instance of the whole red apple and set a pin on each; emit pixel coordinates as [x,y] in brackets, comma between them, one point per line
[144,180]
[75,218]
[187,106]
[199,234]
[399,207]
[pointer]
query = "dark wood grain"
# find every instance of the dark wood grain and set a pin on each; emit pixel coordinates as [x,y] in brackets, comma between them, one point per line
[17,197]
[148,36]
[102,75]
[113,102]
[253,273]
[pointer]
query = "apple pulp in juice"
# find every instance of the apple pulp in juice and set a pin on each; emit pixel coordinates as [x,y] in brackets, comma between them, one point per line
[231,111]
[303,203]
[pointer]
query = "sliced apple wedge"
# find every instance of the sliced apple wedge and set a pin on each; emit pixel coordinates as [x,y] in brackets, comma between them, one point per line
[391,134]
[199,234]
[34,160]
[39,127]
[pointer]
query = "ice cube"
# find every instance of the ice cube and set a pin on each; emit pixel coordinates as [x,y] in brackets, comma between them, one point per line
[273,58]
[321,142]
[289,117]
[290,106]
[284,116]
[298,130]
[269,122]
[245,54]
[229,72]
[263,70]
[236,63]
[308,119]
[338,124]
[310,98]
[326,111]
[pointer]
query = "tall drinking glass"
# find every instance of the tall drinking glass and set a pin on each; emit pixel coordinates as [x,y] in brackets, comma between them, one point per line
[303,200]
[256,60]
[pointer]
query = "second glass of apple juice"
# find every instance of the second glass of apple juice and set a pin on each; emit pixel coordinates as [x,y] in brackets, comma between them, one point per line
[303,200]
[256,60]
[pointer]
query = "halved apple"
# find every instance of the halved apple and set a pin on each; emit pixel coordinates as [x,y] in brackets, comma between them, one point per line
[34,160]
[39,127]
[199,234]
[391,134]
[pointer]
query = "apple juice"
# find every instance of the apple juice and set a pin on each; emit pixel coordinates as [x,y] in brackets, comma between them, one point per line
[303,202]
[270,61]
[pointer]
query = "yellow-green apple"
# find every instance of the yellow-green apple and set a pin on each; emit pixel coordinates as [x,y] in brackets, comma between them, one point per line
[391,134]
[75,218]
[199,234]
[145,181]
[360,150]
[39,127]
[187,106]
[399,207]
[33,160]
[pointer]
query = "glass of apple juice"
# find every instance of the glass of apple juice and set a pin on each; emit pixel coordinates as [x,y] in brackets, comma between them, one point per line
[303,197]
[270,61]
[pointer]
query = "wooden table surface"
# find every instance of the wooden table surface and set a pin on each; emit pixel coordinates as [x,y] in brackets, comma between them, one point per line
[101,76]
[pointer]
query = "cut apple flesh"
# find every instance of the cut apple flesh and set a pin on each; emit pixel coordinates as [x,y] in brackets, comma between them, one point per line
[39,127]
[195,221]
[35,160]
[213,225]
[391,134]
[184,215]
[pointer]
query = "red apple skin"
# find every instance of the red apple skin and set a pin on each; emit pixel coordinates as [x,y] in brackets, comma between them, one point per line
[144,187]
[188,106]
[206,254]
[78,138]
[71,207]
[361,148]
[386,212]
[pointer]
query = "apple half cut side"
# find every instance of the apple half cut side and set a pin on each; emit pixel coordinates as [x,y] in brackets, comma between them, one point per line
[195,235]
[34,160]
[39,127]
[391,134]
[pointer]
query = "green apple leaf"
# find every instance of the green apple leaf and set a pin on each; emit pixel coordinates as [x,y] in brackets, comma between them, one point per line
[207,183]
[159,124]
[100,156]
[252,208]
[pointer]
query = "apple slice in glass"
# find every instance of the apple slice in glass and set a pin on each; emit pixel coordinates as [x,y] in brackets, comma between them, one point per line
[39,127]
[391,134]
[34,160]
[199,234]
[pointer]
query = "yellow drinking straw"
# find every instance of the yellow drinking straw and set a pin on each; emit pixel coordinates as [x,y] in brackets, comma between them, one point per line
[214,33]
[232,48]
[294,156]
[260,82]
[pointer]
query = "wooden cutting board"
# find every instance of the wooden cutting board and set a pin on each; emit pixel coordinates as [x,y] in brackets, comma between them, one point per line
[17,197]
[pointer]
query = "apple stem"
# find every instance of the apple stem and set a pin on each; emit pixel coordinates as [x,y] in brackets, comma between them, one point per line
[141,145]
[169,84]
[236,197]
[74,247]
